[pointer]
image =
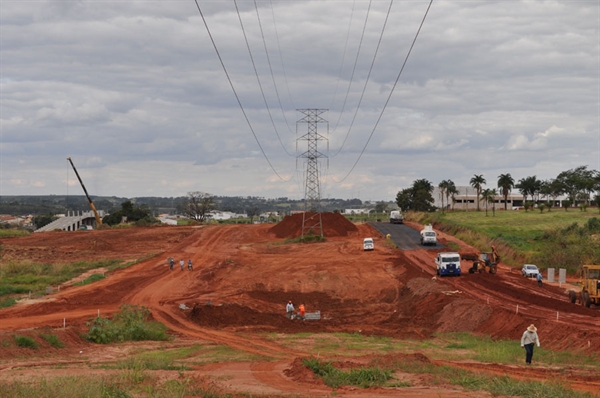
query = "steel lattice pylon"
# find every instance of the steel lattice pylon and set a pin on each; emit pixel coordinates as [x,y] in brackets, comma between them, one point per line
[312,191]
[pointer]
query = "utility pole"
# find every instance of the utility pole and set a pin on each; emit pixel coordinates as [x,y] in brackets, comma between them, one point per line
[311,218]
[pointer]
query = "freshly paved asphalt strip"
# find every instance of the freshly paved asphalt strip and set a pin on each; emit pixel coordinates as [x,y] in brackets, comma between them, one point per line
[403,236]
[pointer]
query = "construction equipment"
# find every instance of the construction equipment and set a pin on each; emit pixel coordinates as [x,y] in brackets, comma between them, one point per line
[485,262]
[98,219]
[590,286]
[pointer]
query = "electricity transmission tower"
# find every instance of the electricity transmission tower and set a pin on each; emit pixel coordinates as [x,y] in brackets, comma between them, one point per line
[312,194]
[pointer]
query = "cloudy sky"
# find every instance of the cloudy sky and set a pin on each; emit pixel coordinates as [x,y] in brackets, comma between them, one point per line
[134,92]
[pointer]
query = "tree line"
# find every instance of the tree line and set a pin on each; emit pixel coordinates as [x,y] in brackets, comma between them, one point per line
[578,186]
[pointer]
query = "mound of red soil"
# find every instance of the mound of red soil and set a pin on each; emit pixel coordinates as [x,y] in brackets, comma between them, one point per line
[334,224]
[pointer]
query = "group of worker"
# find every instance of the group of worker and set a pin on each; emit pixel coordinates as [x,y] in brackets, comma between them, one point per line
[181,264]
[289,308]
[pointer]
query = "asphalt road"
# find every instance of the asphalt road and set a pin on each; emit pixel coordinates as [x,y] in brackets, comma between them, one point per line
[403,236]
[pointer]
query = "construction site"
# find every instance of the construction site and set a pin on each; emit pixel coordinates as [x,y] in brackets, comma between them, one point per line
[242,279]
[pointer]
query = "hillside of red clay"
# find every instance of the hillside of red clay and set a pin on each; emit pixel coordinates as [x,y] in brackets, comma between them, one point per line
[244,275]
[334,224]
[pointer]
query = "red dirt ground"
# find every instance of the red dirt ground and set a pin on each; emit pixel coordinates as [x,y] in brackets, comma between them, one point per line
[244,274]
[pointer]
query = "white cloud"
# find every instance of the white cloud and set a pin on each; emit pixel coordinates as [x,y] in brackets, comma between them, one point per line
[135,93]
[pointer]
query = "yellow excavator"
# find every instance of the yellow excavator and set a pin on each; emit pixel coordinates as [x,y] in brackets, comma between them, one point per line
[98,219]
[484,262]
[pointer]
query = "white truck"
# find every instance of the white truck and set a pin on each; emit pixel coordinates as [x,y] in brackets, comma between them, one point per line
[428,236]
[396,217]
[368,244]
[447,263]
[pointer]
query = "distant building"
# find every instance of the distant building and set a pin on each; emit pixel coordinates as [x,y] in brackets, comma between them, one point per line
[351,212]
[466,199]
[225,215]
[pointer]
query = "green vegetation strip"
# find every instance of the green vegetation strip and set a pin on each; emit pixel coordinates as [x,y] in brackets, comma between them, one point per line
[130,324]
[525,237]
[20,277]
[125,384]
[376,376]
[333,377]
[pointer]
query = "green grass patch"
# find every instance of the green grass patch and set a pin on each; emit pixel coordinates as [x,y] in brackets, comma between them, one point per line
[53,340]
[448,346]
[13,233]
[90,279]
[130,324]
[20,277]
[362,377]
[25,342]
[121,385]
[8,302]
[152,363]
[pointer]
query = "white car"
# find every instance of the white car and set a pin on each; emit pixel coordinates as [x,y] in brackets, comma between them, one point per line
[368,244]
[530,271]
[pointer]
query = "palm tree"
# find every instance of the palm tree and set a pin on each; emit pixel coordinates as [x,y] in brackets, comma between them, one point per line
[443,186]
[505,183]
[476,182]
[451,191]
[489,195]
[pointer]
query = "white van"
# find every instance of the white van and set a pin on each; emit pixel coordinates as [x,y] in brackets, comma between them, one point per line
[368,244]
[428,236]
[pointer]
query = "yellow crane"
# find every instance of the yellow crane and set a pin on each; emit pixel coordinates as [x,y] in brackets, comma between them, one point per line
[98,219]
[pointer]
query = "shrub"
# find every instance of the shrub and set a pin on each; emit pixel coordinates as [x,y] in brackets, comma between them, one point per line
[8,303]
[333,377]
[90,279]
[25,342]
[130,324]
[53,340]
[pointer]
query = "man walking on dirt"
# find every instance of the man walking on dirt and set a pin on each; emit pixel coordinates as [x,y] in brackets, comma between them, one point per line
[289,308]
[190,265]
[529,338]
[181,263]
[302,310]
[171,263]
[539,279]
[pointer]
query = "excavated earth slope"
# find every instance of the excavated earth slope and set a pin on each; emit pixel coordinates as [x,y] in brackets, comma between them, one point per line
[244,275]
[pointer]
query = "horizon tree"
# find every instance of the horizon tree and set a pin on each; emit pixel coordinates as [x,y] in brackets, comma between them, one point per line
[418,197]
[487,195]
[476,182]
[506,183]
[450,192]
[443,186]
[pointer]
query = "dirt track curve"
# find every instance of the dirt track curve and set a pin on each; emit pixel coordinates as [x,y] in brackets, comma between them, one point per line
[243,276]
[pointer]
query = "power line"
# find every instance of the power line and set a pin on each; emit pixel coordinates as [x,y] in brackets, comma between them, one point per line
[337,83]
[258,78]
[281,57]
[367,79]
[262,33]
[354,68]
[235,92]
[391,92]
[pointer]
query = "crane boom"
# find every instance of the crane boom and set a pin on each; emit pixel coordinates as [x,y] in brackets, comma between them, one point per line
[98,219]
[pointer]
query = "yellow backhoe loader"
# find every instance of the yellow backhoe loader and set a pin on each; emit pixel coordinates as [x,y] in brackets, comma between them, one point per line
[590,286]
[484,262]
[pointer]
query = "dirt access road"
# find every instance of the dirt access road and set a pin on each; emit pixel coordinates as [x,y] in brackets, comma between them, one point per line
[243,276]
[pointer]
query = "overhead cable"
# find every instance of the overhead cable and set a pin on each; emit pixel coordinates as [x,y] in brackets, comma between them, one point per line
[354,67]
[337,83]
[281,57]
[367,79]
[235,92]
[390,95]
[258,78]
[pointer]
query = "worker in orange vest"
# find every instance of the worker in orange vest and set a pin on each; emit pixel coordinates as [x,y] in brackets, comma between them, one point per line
[302,310]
